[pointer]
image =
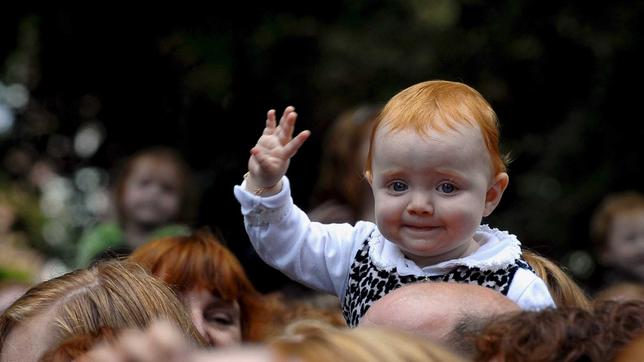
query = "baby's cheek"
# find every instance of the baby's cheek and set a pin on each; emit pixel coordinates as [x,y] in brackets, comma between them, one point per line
[386,213]
[384,220]
[463,219]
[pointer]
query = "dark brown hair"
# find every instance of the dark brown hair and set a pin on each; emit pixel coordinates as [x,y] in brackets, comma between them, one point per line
[562,334]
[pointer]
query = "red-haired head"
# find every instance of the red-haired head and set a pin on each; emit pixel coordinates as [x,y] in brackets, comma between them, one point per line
[436,106]
[223,303]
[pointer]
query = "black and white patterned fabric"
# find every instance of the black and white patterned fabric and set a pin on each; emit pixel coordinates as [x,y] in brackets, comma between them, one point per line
[367,282]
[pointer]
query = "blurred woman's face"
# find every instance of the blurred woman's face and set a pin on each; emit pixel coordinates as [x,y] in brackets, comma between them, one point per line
[218,321]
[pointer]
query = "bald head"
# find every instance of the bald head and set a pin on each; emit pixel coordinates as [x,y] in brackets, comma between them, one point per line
[435,310]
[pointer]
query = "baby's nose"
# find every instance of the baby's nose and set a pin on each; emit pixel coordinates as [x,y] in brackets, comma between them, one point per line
[421,204]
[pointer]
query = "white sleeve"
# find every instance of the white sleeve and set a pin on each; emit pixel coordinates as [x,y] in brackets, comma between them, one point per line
[529,291]
[311,253]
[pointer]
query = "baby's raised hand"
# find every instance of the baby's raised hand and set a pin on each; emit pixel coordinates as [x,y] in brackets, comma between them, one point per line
[270,157]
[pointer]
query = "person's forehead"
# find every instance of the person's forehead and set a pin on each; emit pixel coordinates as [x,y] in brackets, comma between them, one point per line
[632,218]
[154,162]
[632,214]
[155,167]
[463,146]
[205,297]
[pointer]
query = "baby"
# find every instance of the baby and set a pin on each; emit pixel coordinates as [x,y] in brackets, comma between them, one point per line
[435,170]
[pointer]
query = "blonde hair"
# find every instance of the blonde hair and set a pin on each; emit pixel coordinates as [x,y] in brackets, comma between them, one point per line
[564,291]
[439,104]
[309,341]
[76,347]
[111,294]
[608,209]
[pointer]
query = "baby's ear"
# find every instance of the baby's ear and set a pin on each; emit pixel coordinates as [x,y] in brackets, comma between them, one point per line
[494,193]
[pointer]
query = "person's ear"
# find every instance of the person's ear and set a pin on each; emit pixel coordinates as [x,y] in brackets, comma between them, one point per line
[494,193]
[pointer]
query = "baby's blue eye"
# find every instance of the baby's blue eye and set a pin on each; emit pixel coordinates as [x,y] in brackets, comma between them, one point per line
[398,186]
[446,188]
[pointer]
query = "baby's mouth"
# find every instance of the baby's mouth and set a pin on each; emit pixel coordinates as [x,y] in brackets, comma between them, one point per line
[421,227]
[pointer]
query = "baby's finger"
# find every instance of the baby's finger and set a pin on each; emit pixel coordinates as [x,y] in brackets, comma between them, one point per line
[287,127]
[286,112]
[290,149]
[270,119]
[285,115]
[270,123]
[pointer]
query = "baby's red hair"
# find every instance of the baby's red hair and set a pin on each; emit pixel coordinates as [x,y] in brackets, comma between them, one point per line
[437,105]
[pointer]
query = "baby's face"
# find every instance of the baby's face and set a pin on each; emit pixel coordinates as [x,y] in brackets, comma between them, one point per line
[151,196]
[430,191]
[625,244]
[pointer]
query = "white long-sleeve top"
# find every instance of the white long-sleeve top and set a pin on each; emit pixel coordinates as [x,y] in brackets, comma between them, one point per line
[321,255]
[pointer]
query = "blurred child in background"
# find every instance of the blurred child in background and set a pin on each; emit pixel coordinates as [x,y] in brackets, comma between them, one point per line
[153,197]
[342,193]
[617,229]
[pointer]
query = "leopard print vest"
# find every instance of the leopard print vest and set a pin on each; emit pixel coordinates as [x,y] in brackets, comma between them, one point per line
[367,282]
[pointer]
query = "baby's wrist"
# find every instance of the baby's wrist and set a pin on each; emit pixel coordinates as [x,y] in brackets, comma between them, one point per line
[264,191]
